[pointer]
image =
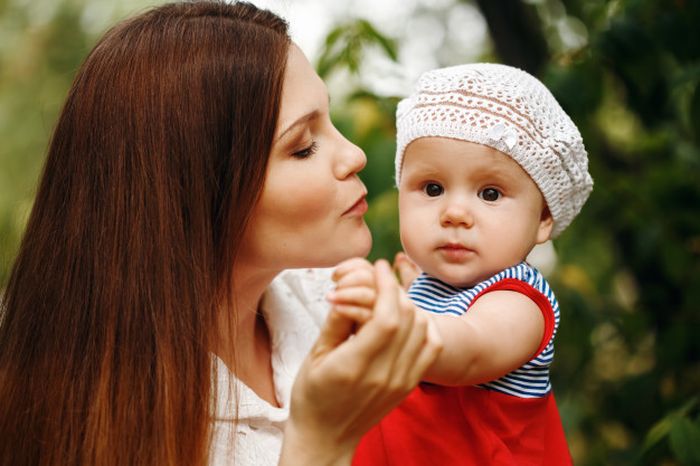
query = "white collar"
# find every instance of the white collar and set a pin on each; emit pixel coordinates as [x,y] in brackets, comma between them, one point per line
[294,308]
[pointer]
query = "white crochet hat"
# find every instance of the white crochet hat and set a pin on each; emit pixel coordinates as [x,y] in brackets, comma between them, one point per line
[507,109]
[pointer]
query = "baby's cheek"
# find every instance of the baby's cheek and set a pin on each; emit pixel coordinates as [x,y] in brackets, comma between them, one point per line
[413,236]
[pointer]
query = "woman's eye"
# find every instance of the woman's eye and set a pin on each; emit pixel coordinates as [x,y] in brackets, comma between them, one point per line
[306,152]
[433,189]
[490,194]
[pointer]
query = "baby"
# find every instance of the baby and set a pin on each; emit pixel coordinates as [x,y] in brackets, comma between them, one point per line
[488,165]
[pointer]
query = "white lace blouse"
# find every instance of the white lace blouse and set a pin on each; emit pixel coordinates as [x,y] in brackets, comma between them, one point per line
[294,307]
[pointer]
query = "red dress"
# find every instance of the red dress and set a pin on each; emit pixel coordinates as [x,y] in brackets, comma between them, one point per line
[476,425]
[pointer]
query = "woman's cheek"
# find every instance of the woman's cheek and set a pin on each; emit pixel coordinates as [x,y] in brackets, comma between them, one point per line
[306,204]
[301,205]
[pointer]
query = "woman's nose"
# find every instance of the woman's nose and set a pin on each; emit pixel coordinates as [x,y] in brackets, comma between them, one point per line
[351,160]
[457,214]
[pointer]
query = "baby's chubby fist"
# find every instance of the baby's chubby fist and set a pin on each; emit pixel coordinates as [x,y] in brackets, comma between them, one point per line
[356,291]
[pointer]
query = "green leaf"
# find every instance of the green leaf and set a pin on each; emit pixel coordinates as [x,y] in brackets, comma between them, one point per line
[332,52]
[685,441]
[334,35]
[344,46]
[657,433]
[662,428]
[388,45]
[326,62]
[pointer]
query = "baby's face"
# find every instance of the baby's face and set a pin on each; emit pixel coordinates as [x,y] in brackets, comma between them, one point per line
[467,211]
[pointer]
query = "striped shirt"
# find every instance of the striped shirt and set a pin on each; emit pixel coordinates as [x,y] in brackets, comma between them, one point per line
[531,380]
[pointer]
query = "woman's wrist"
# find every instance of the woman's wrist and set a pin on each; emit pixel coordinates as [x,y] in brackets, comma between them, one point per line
[310,447]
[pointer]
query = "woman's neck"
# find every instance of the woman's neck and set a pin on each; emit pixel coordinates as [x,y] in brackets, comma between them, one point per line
[244,339]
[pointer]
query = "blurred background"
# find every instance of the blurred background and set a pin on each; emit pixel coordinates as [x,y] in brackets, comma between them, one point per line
[627,272]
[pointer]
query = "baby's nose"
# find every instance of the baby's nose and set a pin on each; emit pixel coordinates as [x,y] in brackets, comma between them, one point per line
[457,214]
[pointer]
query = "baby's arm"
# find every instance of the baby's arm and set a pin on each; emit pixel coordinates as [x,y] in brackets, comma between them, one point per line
[500,333]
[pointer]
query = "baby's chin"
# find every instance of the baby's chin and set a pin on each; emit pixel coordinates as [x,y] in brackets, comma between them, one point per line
[459,279]
[460,284]
[455,280]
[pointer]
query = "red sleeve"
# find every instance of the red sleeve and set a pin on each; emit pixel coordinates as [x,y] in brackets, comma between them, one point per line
[513,284]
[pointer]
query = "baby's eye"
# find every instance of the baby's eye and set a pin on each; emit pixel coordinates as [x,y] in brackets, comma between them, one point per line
[433,189]
[490,194]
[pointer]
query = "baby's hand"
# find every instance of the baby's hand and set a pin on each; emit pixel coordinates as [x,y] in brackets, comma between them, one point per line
[355,290]
[406,269]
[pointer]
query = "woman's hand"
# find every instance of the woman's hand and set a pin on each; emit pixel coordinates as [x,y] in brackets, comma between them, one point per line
[349,382]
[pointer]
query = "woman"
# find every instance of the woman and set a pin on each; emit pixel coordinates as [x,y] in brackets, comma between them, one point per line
[194,160]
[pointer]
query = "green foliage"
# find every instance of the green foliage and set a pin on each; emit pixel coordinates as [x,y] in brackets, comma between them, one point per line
[640,123]
[345,44]
[681,431]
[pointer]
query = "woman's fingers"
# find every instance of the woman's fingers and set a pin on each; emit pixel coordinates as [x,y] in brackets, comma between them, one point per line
[387,330]
[422,350]
[359,315]
[396,339]
[335,330]
[421,347]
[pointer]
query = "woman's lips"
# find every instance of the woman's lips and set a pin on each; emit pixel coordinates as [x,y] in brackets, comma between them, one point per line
[359,208]
[455,252]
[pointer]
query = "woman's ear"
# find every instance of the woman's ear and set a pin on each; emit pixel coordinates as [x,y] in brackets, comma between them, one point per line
[546,224]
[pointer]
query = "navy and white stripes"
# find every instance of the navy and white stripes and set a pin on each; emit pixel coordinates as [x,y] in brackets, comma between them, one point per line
[530,380]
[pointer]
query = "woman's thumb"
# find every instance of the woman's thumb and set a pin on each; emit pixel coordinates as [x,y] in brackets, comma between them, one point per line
[335,330]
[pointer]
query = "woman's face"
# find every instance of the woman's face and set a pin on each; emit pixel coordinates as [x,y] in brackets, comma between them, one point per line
[310,213]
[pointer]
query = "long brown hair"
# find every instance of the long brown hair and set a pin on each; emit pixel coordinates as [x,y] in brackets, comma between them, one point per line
[156,161]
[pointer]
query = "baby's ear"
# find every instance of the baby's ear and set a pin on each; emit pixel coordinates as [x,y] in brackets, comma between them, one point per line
[546,224]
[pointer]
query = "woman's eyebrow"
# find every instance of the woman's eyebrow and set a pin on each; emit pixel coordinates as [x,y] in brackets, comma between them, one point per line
[299,121]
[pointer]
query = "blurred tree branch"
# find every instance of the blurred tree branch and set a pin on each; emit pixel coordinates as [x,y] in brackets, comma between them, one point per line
[516,33]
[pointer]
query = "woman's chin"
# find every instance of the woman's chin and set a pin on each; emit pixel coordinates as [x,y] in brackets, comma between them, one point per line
[364,244]
[357,245]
